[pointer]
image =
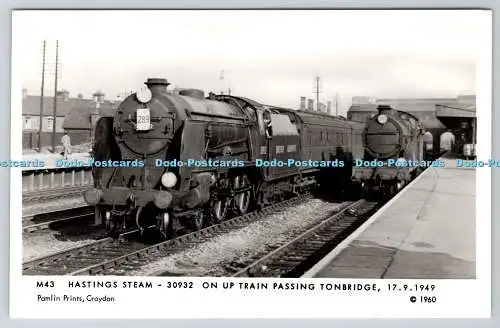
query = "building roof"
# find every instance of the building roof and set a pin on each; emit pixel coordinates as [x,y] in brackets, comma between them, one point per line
[455,110]
[363,108]
[429,120]
[414,100]
[79,116]
[31,105]
[414,105]
[458,106]
[417,105]
[462,106]
[75,110]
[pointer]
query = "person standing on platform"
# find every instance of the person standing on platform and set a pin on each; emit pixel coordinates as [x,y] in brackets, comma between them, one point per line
[66,142]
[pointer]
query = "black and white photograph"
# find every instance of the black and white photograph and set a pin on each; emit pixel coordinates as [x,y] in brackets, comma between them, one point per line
[174,150]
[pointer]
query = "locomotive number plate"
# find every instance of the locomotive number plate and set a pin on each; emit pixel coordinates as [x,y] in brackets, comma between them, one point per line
[143,119]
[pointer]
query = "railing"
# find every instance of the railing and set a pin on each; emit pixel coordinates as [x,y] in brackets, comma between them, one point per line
[51,178]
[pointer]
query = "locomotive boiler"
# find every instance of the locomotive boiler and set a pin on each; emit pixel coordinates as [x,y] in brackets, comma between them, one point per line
[393,142]
[183,160]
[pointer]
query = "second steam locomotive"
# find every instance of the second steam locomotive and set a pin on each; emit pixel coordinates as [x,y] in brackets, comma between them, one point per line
[393,140]
[224,137]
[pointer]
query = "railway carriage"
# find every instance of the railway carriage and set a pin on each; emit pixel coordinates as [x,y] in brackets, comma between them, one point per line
[323,135]
[327,138]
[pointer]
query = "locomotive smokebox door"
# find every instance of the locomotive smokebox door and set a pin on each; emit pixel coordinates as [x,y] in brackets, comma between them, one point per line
[143,119]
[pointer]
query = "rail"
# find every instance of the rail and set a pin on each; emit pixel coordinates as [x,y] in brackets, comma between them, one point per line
[45,220]
[292,258]
[107,256]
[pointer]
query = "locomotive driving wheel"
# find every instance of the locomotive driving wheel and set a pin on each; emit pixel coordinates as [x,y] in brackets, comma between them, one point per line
[198,221]
[219,209]
[385,191]
[392,189]
[114,225]
[110,226]
[242,200]
[366,188]
[381,192]
[164,224]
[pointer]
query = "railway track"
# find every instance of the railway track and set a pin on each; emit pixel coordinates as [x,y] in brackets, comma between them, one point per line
[295,257]
[46,220]
[108,256]
[41,196]
[39,210]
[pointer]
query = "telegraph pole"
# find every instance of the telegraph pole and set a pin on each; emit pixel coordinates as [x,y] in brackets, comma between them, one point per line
[221,77]
[337,104]
[317,93]
[41,99]
[55,101]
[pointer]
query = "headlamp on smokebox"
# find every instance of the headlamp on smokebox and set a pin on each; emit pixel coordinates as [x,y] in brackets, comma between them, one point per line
[144,95]
[382,119]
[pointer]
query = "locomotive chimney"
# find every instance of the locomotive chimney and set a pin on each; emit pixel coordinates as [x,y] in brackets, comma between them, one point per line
[384,109]
[157,85]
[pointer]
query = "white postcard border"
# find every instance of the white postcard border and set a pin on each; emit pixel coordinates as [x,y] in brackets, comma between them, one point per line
[457,298]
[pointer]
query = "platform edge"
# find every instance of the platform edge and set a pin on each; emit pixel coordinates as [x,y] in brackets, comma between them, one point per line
[312,272]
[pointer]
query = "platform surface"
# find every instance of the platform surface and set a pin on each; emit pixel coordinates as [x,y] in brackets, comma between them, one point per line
[428,231]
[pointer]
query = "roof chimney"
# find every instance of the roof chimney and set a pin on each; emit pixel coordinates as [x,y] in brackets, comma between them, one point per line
[157,85]
[63,94]
[310,105]
[98,96]
[302,105]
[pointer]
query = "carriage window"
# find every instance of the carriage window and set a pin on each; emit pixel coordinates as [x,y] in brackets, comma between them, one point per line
[28,123]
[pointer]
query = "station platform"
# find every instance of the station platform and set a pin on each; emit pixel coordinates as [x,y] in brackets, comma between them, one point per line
[427,231]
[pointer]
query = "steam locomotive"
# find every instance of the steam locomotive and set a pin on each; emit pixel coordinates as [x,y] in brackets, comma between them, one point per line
[224,138]
[393,143]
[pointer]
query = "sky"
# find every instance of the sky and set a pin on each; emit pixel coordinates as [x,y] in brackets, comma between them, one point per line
[270,56]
